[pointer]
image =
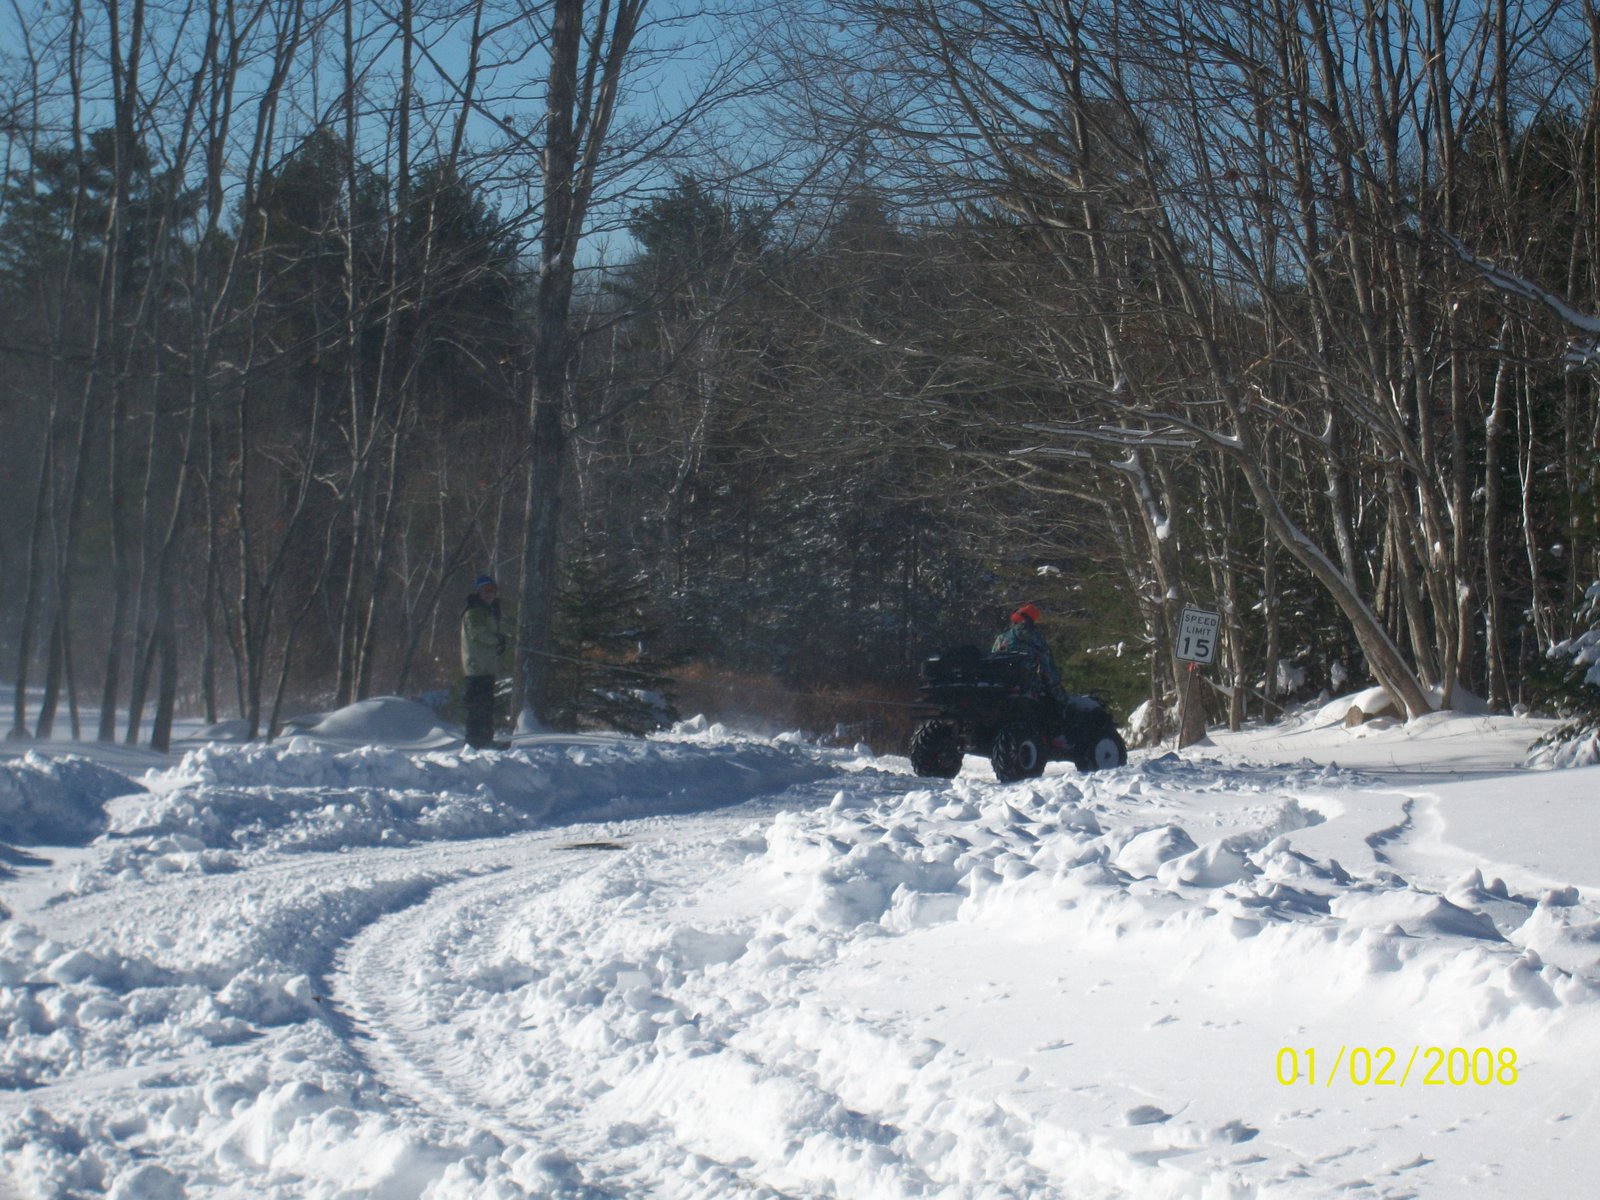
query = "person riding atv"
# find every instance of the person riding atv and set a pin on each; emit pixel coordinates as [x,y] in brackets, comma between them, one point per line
[1010,705]
[1022,637]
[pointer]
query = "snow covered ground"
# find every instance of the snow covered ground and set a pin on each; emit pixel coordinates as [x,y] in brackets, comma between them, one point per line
[362,962]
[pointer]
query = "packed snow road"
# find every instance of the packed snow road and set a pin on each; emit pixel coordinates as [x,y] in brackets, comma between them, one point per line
[710,966]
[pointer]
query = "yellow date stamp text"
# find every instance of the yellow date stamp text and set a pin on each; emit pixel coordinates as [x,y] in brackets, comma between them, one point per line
[1388,1066]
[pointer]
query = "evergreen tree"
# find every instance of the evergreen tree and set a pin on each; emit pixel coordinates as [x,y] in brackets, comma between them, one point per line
[1576,694]
[613,666]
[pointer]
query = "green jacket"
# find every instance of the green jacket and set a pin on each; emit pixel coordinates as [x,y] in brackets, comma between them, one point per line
[480,637]
[1025,639]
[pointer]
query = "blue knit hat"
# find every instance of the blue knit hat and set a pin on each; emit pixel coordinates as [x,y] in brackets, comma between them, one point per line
[485,581]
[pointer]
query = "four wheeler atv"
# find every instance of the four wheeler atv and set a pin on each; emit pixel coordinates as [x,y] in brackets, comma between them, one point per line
[987,706]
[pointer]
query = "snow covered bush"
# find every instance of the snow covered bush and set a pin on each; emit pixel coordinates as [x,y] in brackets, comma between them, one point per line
[1147,725]
[1577,743]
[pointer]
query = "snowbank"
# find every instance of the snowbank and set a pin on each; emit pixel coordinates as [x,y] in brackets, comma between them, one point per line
[869,985]
[305,794]
[1444,741]
[953,990]
[56,801]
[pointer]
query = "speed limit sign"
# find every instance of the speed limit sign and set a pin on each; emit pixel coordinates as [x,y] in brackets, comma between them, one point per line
[1197,635]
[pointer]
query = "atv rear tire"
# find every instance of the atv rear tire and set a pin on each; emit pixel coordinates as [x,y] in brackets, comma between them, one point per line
[935,750]
[1019,752]
[1101,753]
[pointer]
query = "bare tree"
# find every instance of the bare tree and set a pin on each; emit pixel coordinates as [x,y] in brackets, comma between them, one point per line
[1236,183]
[594,137]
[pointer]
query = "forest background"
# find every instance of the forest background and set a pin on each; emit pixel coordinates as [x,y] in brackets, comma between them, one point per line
[770,351]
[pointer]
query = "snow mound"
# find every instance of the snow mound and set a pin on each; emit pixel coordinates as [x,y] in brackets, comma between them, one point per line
[1376,702]
[381,720]
[869,985]
[306,794]
[56,801]
[236,730]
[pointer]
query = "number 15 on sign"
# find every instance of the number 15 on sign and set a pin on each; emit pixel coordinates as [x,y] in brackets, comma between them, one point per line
[1197,635]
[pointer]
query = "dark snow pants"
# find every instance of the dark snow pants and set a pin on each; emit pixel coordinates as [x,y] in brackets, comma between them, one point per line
[478,699]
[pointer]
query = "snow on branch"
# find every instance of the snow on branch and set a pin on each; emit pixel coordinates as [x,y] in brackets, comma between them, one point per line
[1583,650]
[1579,354]
[1048,452]
[1159,523]
[1116,436]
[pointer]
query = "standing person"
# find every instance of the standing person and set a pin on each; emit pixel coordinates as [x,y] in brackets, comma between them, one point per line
[1023,638]
[481,646]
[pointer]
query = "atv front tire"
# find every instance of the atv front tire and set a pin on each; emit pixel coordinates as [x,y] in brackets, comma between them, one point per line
[1101,753]
[935,750]
[1019,752]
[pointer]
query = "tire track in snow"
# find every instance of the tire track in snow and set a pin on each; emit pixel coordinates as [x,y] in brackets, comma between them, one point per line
[434,1001]
[1380,838]
[378,987]
[397,985]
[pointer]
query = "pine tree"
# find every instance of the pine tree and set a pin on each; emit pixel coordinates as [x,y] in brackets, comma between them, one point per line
[1577,693]
[613,665]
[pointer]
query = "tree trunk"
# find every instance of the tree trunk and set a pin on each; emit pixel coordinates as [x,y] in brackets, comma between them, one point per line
[580,100]
[1493,564]
[536,603]
[34,581]
[1383,656]
[552,304]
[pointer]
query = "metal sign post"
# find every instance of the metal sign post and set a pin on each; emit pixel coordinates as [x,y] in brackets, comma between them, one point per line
[1197,645]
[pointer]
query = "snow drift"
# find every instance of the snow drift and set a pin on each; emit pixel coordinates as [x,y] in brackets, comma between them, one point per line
[56,801]
[305,794]
[283,973]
